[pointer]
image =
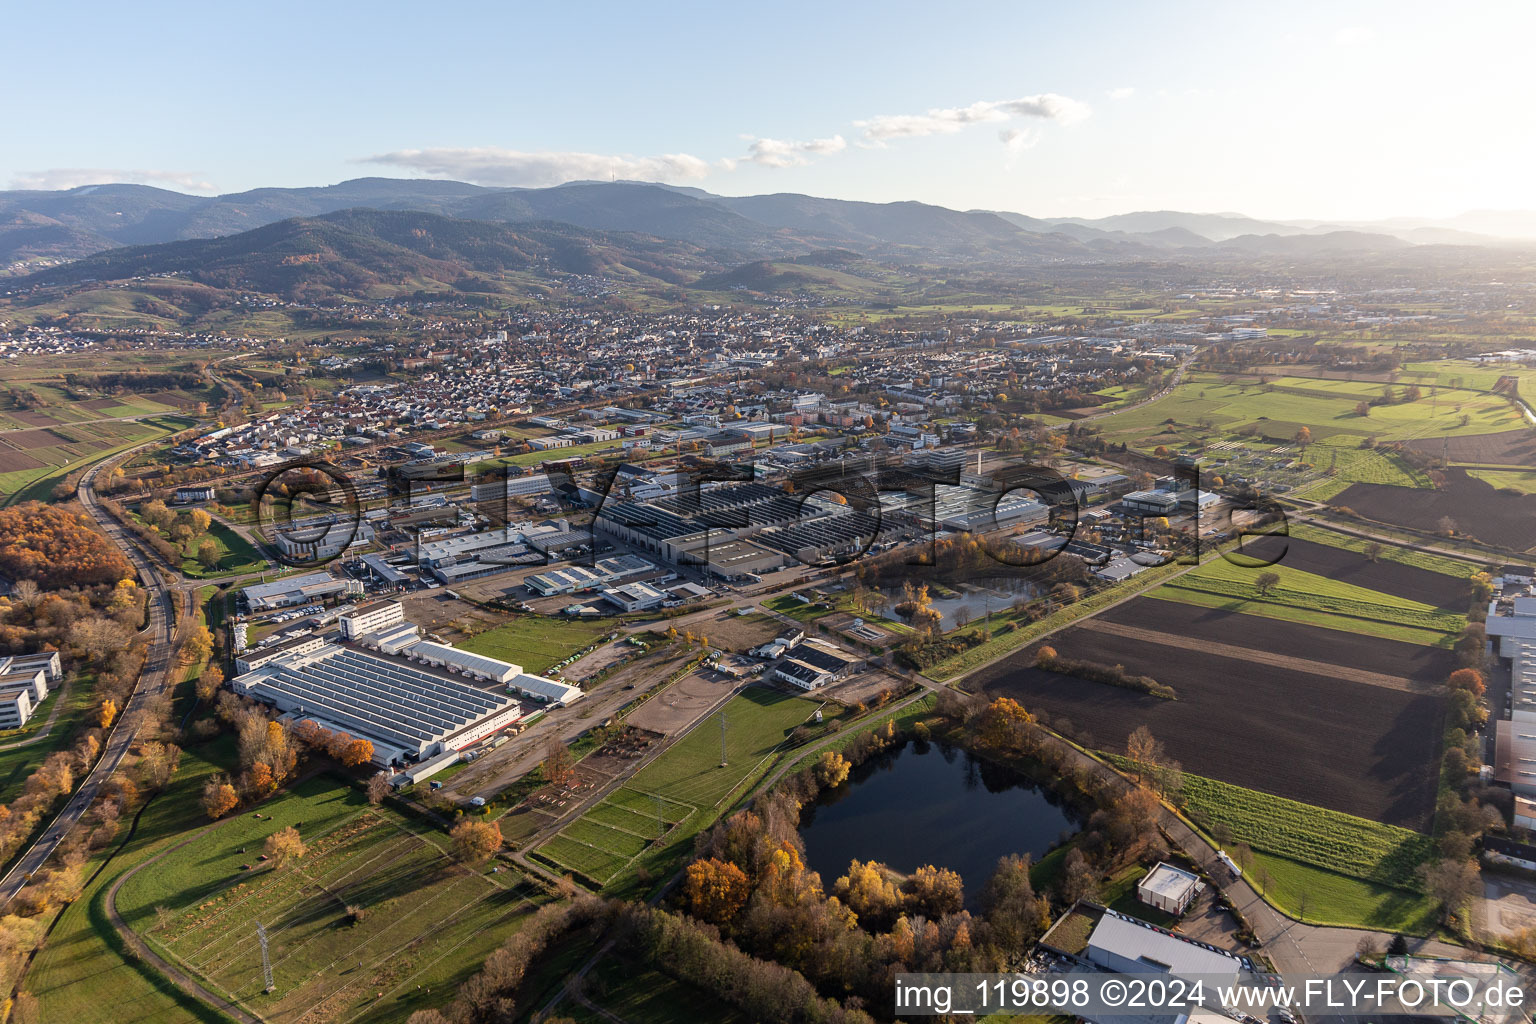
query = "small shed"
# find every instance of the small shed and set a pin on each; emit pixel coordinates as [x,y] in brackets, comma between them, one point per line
[1168,888]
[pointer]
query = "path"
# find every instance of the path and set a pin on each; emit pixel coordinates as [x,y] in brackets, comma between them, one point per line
[1260,657]
[59,700]
[176,975]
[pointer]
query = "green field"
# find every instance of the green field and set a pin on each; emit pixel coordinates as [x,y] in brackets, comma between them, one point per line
[1307,597]
[1325,897]
[638,994]
[82,974]
[1330,867]
[1326,408]
[1340,842]
[1402,554]
[538,642]
[357,856]
[1522,480]
[96,441]
[653,816]
[236,555]
[19,762]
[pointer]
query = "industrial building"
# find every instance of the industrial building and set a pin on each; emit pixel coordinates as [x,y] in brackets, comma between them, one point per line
[321,538]
[1127,946]
[1151,503]
[1168,888]
[293,590]
[408,712]
[371,618]
[813,663]
[1511,632]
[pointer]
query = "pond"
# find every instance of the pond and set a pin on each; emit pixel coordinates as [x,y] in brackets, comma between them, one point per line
[927,803]
[971,603]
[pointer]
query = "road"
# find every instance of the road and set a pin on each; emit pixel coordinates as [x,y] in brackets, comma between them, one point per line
[154,680]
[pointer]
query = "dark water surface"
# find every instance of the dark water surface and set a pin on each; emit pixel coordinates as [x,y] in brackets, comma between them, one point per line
[926,803]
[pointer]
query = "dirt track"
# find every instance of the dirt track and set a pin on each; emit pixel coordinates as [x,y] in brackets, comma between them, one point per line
[1258,657]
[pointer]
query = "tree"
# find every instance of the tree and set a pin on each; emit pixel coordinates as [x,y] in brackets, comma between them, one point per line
[208,683]
[1469,679]
[1304,436]
[356,752]
[1362,408]
[107,713]
[1265,582]
[1002,723]
[1451,883]
[1373,551]
[475,842]
[1078,881]
[1144,749]
[716,890]
[378,788]
[200,520]
[219,797]
[1009,903]
[283,845]
[832,769]
[208,554]
[558,768]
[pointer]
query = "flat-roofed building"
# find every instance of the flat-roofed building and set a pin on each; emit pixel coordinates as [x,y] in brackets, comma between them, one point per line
[546,691]
[407,711]
[1127,946]
[1168,888]
[371,618]
[293,590]
[476,666]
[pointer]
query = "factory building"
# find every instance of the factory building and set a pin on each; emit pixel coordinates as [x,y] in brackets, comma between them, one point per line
[371,618]
[408,712]
[293,590]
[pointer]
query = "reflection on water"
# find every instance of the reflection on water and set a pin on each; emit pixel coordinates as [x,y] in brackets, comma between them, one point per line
[933,804]
[995,595]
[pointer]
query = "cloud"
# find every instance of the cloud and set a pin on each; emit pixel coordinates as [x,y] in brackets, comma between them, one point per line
[491,166]
[1123,93]
[74,177]
[946,120]
[787,153]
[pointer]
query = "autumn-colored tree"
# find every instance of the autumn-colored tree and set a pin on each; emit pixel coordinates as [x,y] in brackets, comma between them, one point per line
[107,713]
[832,769]
[716,890]
[1001,723]
[284,845]
[1304,435]
[219,797]
[475,842]
[1469,679]
[197,646]
[356,752]
[56,548]
[934,892]
[558,768]
[207,684]
[200,520]
[260,781]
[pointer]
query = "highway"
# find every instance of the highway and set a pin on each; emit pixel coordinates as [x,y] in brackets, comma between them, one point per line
[155,679]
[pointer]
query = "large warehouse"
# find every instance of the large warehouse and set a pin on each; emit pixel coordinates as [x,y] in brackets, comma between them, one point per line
[408,711]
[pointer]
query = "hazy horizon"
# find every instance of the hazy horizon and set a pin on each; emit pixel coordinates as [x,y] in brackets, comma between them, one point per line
[1332,113]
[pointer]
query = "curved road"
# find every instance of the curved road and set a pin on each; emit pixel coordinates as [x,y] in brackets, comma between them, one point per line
[154,680]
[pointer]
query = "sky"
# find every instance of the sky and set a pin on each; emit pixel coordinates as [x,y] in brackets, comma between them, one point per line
[1327,111]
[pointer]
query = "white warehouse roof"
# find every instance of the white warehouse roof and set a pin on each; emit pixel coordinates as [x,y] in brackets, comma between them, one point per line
[467,662]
